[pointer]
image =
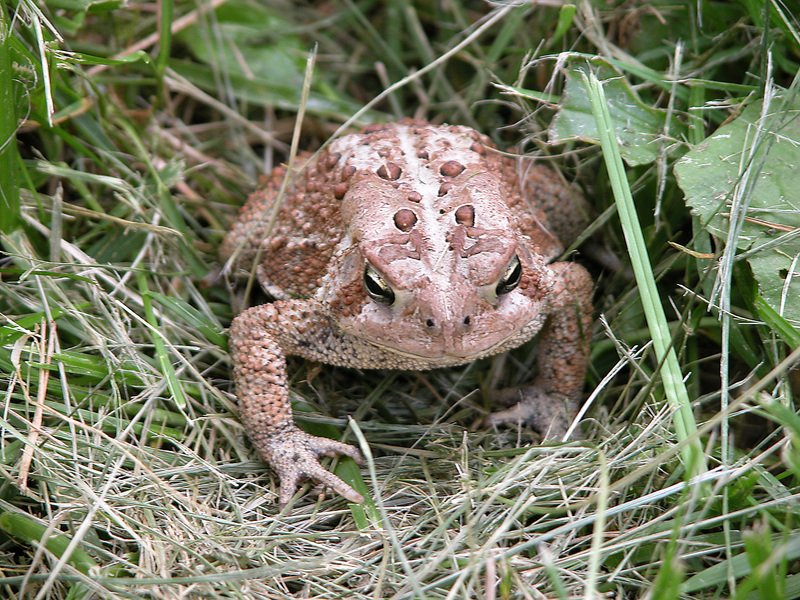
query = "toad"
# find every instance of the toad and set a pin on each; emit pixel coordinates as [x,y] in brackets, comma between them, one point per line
[406,246]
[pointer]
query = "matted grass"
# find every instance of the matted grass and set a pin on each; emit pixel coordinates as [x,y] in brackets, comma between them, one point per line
[125,472]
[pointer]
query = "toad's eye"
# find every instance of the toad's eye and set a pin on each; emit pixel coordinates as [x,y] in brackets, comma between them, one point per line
[376,286]
[510,278]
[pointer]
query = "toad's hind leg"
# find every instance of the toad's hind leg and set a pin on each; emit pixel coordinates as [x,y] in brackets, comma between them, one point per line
[242,242]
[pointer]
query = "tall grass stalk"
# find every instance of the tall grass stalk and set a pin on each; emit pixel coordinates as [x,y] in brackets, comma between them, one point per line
[674,387]
[9,157]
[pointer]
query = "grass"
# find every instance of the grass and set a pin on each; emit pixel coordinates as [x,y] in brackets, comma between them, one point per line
[125,472]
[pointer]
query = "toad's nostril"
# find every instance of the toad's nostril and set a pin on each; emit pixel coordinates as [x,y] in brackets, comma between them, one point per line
[430,323]
[467,320]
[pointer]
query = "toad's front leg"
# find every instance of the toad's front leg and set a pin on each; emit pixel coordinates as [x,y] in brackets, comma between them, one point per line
[550,403]
[260,339]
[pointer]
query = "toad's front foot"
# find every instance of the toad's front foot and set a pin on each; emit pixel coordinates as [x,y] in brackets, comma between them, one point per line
[294,455]
[549,413]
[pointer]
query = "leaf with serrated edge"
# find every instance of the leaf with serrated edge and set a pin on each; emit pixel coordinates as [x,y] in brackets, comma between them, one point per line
[765,149]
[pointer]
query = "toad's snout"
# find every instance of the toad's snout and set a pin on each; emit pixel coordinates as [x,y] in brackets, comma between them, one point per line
[457,327]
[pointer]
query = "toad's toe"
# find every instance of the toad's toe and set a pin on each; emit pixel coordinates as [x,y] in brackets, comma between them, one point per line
[294,455]
[549,413]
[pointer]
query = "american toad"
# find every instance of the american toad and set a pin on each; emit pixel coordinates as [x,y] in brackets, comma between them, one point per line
[406,246]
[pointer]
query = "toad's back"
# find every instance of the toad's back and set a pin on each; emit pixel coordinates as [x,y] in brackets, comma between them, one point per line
[421,164]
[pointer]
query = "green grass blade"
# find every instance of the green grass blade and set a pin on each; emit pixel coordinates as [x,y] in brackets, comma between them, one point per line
[9,159]
[27,529]
[167,369]
[166,10]
[674,387]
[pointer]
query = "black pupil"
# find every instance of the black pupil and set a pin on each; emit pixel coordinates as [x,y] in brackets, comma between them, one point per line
[378,292]
[373,286]
[511,280]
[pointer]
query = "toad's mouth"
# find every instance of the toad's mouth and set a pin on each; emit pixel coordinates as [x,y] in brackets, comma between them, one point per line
[449,354]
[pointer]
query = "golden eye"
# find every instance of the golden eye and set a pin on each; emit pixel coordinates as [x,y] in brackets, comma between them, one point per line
[510,278]
[376,286]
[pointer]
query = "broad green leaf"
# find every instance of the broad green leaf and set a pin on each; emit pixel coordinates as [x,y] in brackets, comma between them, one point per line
[642,131]
[753,161]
